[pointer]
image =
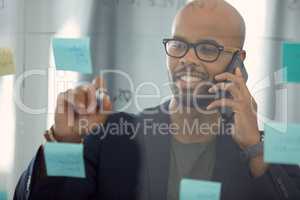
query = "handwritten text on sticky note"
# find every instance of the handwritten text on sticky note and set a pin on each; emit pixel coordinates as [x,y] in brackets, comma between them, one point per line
[64,159]
[72,55]
[282,143]
[195,189]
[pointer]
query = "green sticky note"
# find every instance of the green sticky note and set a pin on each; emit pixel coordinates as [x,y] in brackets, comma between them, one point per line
[72,55]
[7,65]
[282,143]
[291,62]
[195,190]
[64,159]
[3,195]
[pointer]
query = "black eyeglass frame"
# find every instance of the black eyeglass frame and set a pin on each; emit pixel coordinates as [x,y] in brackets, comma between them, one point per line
[220,48]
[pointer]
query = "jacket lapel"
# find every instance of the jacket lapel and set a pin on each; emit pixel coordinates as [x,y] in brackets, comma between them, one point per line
[157,142]
[230,170]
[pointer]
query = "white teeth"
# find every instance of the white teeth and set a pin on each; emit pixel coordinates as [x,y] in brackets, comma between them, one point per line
[190,78]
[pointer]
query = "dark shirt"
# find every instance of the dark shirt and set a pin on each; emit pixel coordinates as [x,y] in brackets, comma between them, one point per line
[195,161]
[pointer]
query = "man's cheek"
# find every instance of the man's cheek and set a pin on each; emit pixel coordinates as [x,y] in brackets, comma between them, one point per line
[219,67]
[172,63]
[214,70]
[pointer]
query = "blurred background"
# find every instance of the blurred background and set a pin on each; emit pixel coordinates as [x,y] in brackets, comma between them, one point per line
[126,35]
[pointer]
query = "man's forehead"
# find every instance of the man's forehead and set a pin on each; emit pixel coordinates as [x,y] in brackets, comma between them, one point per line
[220,40]
[197,24]
[197,35]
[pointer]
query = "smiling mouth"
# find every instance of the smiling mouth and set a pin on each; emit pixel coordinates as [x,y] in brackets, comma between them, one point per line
[187,80]
[190,79]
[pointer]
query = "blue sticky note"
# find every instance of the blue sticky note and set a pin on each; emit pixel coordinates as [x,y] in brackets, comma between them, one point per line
[3,195]
[291,62]
[72,55]
[282,143]
[64,159]
[195,189]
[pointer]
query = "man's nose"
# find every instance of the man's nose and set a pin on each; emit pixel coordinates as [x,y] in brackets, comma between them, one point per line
[190,57]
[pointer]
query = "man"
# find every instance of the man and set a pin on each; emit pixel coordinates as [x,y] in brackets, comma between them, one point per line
[149,161]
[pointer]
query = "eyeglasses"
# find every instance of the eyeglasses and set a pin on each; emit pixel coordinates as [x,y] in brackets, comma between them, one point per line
[206,50]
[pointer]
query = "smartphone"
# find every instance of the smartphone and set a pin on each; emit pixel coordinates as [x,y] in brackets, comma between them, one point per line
[235,62]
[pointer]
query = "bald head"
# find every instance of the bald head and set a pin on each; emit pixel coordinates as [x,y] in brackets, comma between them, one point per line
[212,19]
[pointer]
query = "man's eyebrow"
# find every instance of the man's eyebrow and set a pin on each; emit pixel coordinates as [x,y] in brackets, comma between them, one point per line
[179,38]
[200,40]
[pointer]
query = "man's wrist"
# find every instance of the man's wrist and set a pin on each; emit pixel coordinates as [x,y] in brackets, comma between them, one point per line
[252,151]
[254,141]
[257,166]
[50,135]
[254,155]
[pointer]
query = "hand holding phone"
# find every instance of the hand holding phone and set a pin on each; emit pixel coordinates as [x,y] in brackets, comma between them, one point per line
[235,62]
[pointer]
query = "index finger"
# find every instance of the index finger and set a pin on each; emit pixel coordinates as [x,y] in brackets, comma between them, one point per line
[230,77]
[99,83]
[102,97]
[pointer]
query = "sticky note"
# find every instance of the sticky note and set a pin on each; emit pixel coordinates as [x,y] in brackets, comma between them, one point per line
[64,159]
[291,62]
[3,195]
[7,65]
[282,143]
[72,55]
[195,189]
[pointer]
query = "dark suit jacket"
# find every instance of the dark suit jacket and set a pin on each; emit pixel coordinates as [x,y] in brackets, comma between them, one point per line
[132,162]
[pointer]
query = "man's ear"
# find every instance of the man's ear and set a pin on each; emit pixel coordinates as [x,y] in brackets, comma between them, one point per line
[243,55]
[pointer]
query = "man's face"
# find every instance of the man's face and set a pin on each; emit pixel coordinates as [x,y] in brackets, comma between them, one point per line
[189,74]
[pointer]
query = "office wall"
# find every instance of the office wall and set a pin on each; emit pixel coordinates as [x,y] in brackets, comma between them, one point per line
[130,40]
[10,37]
[285,28]
[41,21]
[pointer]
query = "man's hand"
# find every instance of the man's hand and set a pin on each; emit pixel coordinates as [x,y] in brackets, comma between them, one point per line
[243,105]
[246,132]
[77,112]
